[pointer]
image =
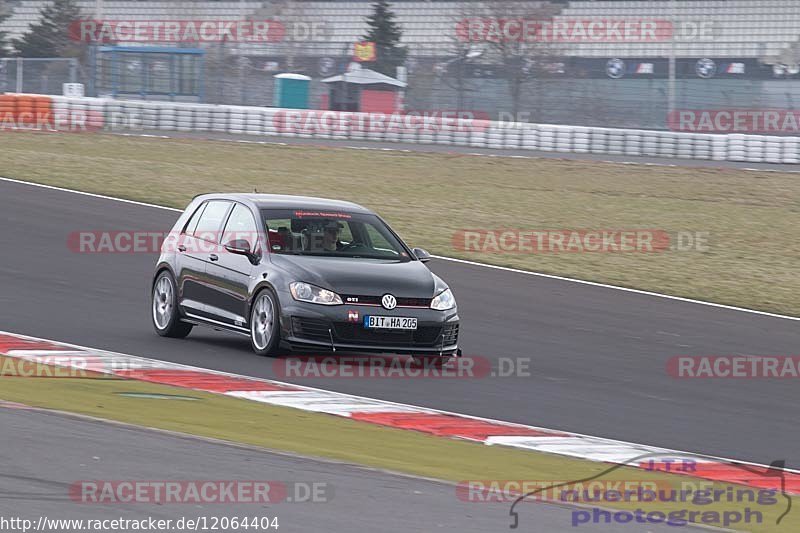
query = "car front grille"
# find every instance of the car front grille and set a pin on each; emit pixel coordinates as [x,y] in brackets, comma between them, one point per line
[357,299]
[358,334]
[354,333]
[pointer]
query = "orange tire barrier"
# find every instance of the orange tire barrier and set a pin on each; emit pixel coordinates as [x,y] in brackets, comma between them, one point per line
[26,116]
[7,110]
[25,111]
[43,106]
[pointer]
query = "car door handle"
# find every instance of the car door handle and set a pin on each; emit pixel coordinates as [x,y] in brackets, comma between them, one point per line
[213,257]
[181,248]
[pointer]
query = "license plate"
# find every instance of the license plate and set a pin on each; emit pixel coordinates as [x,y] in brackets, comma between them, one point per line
[389,322]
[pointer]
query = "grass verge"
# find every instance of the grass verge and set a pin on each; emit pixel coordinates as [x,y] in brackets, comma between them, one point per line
[747,216]
[332,437]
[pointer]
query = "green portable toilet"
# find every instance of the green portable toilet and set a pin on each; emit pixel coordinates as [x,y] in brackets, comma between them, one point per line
[292,90]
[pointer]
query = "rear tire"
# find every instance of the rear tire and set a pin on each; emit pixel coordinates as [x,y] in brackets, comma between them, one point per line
[265,337]
[164,308]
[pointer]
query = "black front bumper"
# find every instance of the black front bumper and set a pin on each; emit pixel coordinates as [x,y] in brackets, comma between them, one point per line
[330,329]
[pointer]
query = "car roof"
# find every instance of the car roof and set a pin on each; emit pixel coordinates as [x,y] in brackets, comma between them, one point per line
[285,201]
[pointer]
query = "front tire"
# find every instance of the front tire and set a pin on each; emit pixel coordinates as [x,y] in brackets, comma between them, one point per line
[265,336]
[164,312]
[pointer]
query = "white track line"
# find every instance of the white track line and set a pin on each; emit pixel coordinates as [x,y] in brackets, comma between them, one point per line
[157,363]
[93,195]
[616,287]
[464,261]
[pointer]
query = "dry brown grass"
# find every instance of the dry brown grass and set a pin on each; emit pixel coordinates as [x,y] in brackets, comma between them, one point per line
[751,217]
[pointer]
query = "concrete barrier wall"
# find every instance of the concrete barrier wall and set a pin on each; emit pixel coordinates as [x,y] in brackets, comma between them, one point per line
[96,114]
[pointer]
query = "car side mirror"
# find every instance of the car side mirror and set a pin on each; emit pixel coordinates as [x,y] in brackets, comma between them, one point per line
[422,254]
[239,247]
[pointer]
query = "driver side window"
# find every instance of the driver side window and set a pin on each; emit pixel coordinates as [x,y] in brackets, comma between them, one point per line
[241,225]
[379,242]
[346,235]
[211,221]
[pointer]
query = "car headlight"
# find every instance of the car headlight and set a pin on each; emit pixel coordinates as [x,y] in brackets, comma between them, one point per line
[444,301]
[305,292]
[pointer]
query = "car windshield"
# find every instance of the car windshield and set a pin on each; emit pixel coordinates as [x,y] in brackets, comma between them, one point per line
[331,234]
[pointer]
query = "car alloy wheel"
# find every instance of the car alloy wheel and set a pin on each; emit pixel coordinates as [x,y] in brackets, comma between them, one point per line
[163,302]
[262,323]
[165,313]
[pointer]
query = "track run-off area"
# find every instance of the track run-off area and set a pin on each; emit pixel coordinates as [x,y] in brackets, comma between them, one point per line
[596,357]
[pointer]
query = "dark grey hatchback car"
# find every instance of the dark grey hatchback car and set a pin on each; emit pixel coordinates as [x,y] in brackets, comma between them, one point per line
[300,273]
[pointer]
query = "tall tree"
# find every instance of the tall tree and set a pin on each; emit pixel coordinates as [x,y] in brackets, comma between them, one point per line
[385,33]
[50,36]
[522,59]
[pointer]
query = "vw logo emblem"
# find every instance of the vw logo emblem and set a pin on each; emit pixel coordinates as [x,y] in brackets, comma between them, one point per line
[388,301]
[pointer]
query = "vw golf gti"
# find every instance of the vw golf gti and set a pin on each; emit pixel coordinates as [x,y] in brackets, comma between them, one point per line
[300,273]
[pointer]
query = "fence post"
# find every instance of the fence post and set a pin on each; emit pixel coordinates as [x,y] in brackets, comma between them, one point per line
[4,75]
[19,74]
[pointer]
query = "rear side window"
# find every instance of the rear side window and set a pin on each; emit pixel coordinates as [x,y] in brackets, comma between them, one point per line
[192,225]
[210,224]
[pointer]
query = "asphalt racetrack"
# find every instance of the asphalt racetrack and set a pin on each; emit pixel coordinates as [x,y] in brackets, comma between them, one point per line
[46,456]
[597,356]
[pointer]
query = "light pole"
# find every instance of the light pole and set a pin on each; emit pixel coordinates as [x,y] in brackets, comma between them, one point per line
[671,82]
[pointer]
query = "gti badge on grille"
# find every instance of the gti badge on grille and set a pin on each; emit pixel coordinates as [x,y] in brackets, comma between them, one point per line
[388,301]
